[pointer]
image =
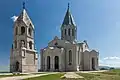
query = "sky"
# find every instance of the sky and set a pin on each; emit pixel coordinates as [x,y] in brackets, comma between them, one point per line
[98,22]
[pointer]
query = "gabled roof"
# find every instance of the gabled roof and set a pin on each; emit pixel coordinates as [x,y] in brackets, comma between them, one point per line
[68,19]
[24,17]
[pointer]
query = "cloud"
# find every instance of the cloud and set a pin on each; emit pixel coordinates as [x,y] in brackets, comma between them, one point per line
[14,18]
[100,61]
[112,61]
[112,58]
[103,65]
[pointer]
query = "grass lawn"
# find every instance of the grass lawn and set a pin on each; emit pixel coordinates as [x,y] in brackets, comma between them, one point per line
[48,77]
[108,75]
[112,72]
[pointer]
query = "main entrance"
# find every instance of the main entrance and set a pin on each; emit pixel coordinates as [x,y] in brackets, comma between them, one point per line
[93,63]
[17,66]
[56,63]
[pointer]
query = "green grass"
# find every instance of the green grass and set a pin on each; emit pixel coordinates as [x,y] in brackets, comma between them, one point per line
[48,77]
[112,72]
[99,77]
[108,75]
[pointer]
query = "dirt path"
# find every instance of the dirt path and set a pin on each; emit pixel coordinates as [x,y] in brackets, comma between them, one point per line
[92,71]
[27,76]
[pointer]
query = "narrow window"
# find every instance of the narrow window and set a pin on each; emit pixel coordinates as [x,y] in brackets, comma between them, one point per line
[72,32]
[30,31]
[62,33]
[70,57]
[22,43]
[24,53]
[30,44]
[22,30]
[69,31]
[48,62]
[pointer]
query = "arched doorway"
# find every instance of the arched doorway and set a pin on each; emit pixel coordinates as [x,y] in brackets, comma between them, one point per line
[17,66]
[93,63]
[48,62]
[56,63]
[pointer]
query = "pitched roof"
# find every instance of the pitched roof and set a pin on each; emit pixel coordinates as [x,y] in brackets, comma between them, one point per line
[68,19]
[24,17]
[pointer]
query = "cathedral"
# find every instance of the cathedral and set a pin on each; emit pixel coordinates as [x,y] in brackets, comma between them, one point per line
[23,56]
[66,53]
[61,54]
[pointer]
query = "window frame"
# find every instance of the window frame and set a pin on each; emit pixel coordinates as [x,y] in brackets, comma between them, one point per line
[22,30]
[30,44]
[70,57]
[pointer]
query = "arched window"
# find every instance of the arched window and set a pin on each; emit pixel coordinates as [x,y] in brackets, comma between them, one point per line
[65,32]
[22,30]
[16,31]
[48,62]
[69,31]
[22,43]
[72,32]
[56,62]
[70,57]
[17,66]
[30,44]
[30,31]
[62,33]
[15,44]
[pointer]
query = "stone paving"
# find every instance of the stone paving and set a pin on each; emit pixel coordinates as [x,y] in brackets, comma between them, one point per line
[72,75]
[26,76]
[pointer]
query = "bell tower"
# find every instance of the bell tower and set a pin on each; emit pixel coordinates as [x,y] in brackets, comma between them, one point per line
[68,28]
[23,57]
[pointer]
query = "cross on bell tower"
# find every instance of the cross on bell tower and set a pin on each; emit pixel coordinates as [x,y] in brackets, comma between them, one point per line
[68,28]
[23,4]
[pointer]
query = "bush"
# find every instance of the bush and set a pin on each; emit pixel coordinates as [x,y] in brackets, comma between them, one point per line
[103,69]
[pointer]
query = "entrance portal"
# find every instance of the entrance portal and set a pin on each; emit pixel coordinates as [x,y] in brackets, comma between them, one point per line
[93,63]
[17,66]
[48,62]
[56,65]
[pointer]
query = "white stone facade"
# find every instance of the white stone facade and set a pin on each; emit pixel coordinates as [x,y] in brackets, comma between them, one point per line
[81,59]
[71,55]
[23,57]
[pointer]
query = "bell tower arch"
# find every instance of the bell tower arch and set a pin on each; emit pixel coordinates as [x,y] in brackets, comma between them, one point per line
[68,28]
